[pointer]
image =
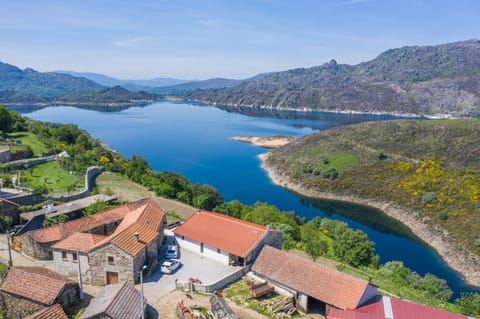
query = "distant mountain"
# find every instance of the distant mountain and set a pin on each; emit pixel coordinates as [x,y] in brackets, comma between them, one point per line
[134,85]
[186,88]
[31,87]
[422,80]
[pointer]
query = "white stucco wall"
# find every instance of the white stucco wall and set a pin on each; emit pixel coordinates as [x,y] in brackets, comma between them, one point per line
[67,266]
[208,251]
[212,253]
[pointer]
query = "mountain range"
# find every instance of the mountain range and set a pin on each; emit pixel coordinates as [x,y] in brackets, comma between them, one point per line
[28,86]
[440,80]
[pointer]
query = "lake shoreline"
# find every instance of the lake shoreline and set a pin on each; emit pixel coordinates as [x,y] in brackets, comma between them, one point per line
[457,258]
[267,141]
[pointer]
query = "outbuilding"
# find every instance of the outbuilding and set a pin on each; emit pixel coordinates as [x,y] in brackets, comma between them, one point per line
[311,284]
[226,239]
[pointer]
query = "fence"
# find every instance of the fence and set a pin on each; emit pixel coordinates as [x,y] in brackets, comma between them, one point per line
[212,287]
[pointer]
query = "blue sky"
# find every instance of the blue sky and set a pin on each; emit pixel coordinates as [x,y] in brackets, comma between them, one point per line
[199,39]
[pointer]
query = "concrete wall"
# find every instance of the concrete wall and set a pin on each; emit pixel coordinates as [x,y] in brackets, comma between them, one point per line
[188,244]
[68,267]
[213,286]
[302,302]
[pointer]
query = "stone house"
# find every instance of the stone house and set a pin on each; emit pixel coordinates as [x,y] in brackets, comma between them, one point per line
[10,209]
[135,243]
[68,252]
[233,240]
[119,256]
[119,301]
[37,243]
[26,290]
[311,284]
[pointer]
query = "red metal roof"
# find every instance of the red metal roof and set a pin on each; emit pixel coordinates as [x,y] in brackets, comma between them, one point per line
[227,233]
[387,307]
[315,280]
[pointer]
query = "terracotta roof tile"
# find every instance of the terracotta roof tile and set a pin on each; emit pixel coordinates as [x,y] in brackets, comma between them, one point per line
[84,224]
[83,241]
[227,233]
[52,312]
[144,220]
[120,301]
[323,283]
[34,283]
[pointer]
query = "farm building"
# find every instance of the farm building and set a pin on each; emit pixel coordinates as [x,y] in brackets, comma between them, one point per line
[311,284]
[225,239]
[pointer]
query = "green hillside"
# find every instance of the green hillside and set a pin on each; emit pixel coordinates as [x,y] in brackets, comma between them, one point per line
[430,167]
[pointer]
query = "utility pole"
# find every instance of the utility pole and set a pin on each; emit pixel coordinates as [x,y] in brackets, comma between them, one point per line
[80,284]
[141,292]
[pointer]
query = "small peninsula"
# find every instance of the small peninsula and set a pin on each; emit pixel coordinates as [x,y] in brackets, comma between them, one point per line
[425,174]
[267,142]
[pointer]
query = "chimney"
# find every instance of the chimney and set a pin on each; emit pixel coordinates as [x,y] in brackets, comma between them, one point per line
[62,231]
[269,227]
[136,234]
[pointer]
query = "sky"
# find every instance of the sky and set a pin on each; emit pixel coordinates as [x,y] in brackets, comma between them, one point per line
[200,39]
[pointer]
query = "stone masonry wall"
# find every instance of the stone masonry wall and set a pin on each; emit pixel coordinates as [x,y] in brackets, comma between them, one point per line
[123,264]
[14,307]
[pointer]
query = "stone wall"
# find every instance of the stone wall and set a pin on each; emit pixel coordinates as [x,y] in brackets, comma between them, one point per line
[14,307]
[271,238]
[69,295]
[123,264]
[11,211]
[33,249]
[90,176]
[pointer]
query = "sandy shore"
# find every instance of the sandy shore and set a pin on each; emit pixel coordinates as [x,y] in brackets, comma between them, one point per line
[268,142]
[458,258]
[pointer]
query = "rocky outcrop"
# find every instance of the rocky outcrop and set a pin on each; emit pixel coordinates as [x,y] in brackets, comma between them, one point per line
[442,80]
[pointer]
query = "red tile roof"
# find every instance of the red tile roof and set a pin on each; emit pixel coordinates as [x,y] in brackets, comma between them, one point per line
[52,312]
[386,307]
[315,280]
[144,220]
[81,241]
[84,224]
[34,283]
[120,301]
[227,233]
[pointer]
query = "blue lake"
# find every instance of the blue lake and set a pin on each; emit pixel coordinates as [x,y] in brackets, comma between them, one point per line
[194,140]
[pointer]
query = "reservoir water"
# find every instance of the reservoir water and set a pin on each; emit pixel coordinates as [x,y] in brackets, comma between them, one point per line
[194,140]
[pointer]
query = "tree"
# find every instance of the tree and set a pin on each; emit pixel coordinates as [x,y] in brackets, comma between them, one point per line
[354,248]
[316,248]
[469,303]
[6,120]
[52,221]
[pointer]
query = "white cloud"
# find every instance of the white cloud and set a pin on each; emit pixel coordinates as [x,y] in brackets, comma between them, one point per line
[131,42]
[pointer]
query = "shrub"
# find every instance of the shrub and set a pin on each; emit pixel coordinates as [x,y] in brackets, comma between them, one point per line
[429,198]
[443,215]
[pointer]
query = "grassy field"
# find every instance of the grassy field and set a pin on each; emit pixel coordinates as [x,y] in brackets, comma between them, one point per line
[55,178]
[430,167]
[31,140]
[128,191]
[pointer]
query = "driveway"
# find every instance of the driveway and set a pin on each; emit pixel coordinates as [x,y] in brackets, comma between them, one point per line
[193,266]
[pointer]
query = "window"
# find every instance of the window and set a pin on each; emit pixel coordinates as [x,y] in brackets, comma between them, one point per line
[219,251]
[64,255]
[110,259]
[74,257]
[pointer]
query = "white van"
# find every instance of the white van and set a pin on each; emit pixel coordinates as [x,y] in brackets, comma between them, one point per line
[172,252]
